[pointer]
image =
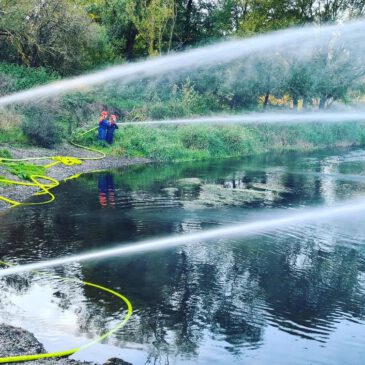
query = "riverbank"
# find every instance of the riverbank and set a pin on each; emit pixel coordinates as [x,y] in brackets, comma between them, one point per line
[143,144]
[176,143]
[16,341]
[58,172]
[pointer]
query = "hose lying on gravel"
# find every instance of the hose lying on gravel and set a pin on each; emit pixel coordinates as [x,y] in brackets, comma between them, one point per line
[43,182]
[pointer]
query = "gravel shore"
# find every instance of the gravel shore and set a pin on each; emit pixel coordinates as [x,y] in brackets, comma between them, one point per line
[60,171]
[16,341]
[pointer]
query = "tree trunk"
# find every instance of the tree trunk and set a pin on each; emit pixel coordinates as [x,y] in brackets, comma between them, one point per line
[189,8]
[295,102]
[322,102]
[172,28]
[236,101]
[305,103]
[130,42]
[266,101]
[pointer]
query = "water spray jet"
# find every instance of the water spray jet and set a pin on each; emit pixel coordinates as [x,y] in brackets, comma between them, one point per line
[223,52]
[357,115]
[237,230]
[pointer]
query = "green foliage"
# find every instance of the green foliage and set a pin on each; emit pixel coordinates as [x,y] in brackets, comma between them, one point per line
[184,143]
[23,77]
[40,127]
[65,37]
[5,153]
[25,170]
[13,135]
[71,36]
[151,19]
[55,34]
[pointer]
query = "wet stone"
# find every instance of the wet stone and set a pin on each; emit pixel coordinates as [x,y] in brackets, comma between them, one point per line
[16,341]
[116,361]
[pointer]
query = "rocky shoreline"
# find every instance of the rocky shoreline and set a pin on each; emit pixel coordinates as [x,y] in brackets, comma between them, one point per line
[59,172]
[16,342]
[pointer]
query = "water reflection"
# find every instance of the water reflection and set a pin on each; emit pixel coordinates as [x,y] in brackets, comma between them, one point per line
[227,301]
[106,190]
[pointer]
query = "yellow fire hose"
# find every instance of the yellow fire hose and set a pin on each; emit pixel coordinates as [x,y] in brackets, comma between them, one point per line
[76,349]
[38,181]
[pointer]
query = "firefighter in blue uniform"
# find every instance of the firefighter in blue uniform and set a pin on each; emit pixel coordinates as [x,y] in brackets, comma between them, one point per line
[103,126]
[111,128]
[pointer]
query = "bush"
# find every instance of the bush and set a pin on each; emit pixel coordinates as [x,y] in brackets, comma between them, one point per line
[41,128]
[16,78]
[5,153]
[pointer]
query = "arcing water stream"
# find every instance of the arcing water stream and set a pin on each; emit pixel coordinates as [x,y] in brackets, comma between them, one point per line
[300,40]
[237,230]
[274,222]
[258,118]
[299,282]
[223,52]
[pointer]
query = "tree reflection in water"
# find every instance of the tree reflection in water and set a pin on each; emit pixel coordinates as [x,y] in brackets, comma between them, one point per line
[196,301]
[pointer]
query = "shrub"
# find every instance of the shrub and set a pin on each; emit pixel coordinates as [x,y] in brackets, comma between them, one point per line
[41,128]
[5,153]
[17,78]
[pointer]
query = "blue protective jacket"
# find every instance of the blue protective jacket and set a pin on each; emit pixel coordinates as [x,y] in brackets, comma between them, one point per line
[110,133]
[103,128]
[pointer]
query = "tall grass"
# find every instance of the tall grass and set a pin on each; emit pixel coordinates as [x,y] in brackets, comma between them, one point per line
[201,142]
[49,123]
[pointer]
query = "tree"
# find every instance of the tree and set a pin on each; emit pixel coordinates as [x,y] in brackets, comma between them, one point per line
[151,18]
[56,34]
[113,16]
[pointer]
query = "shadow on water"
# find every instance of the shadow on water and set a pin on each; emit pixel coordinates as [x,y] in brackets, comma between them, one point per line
[226,301]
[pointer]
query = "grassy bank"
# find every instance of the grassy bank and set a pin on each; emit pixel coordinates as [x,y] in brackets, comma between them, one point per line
[198,142]
[48,123]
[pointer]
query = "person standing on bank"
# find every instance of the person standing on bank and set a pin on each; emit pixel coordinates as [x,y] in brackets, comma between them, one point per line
[103,126]
[111,129]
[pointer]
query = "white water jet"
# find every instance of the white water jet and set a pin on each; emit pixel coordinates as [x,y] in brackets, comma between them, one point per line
[257,118]
[223,52]
[237,230]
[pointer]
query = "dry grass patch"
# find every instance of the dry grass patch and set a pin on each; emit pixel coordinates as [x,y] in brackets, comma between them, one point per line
[9,120]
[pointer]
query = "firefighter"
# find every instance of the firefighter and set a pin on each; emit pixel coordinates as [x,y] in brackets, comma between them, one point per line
[103,126]
[111,128]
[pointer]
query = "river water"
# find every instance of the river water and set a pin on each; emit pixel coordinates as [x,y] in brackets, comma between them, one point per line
[293,295]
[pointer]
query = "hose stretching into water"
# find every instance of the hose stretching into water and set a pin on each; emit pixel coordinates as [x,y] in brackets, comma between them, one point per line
[76,349]
[39,180]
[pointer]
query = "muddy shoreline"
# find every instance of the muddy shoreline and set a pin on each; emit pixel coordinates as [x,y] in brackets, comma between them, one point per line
[59,172]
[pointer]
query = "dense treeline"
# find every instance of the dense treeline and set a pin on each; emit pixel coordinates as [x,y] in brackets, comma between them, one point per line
[71,36]
[44,40]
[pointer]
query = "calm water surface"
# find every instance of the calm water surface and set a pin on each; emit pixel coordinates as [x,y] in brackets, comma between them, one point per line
[295,295]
